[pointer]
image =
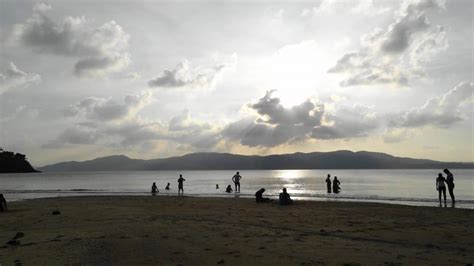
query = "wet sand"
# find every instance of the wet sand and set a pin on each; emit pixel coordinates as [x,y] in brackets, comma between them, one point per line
[207,231]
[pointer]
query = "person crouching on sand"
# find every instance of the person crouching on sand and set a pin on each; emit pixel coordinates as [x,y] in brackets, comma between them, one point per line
[259,196]
[3,204]
[441,187]
[167,187]
[285,198]
[154,189]
[228,189]
[180,185]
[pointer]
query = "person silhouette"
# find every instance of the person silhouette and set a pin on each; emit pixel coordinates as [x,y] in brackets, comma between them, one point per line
[180,184]
[154,189]
[441,187]
[328,183]
[236,179]
[228,189]
[167,186]
[3,204]
[335,185]
[217,186]
[450,182]
[285,198]
[259,196]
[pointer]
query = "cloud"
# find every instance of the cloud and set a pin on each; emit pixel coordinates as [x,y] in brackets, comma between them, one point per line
[347,122]
[442,112]
[395,55]
[107,122]
[184,76]
[98,50]
[107,109]
[275,124]
[12,77]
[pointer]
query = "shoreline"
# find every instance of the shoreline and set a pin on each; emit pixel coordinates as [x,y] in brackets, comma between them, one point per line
[419,202]
[201,231]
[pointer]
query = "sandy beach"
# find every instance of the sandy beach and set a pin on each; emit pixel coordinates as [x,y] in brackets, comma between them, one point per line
[206,231]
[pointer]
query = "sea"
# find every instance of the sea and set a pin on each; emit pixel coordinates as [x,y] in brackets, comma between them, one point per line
[401,186]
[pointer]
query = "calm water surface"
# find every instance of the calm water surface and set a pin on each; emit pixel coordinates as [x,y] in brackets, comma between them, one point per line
[411,187]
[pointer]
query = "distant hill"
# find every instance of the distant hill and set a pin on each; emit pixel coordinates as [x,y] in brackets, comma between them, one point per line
[11,162]
[226,161]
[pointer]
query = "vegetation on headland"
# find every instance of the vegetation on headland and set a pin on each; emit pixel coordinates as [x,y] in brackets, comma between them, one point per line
[11,162]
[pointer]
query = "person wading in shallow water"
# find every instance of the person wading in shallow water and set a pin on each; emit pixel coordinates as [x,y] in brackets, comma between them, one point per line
[335,185]
[450,182]
[236,179]
[328,183]
[154,189]
[180,185]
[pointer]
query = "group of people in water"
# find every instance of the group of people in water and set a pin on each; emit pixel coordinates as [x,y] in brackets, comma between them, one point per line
[333,186]
[441,183]
[336,184]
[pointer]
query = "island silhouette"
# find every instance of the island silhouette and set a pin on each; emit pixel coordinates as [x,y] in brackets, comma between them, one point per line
[224,161]
[11,162]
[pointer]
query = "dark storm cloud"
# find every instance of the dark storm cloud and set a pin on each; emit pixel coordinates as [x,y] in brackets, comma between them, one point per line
[99,50]
[395,55]
[442,112]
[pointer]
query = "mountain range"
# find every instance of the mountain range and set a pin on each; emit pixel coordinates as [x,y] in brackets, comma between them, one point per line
[224,161]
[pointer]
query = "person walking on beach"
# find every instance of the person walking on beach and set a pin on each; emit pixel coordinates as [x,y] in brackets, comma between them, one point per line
[3,204]
[441,187]
[328,183]
[236,179]
[154,189]
[180,184]
[450,182]
[167,187]
[335,185]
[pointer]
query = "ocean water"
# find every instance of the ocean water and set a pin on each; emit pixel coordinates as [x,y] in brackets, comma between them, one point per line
[410,187]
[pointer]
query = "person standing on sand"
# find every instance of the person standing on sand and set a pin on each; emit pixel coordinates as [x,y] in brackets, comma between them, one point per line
[236,179]
[328,183]
[3,204]
[154,189]
[450,182]
[180,185]
[441,187]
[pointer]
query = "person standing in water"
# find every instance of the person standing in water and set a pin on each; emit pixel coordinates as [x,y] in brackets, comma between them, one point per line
[154,189]
[328,183]
[335,185]
[441,187]
[180,185]
[236,179]
[450,182]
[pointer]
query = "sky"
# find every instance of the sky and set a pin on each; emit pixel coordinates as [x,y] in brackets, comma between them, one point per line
[153,79]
